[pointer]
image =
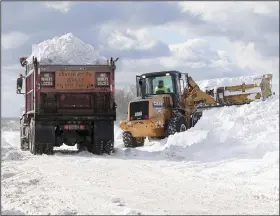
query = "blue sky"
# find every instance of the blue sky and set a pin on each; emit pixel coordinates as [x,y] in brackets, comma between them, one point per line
[206,39]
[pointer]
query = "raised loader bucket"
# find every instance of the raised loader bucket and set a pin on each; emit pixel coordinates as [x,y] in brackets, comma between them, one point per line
[240,94]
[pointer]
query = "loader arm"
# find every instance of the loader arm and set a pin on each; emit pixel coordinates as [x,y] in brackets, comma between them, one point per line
[193,96]
[192,84]
[198,96]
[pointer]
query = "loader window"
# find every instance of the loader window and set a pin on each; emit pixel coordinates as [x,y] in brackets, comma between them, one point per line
[153,82]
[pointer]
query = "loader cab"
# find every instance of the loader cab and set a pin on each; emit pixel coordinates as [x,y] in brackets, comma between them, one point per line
[164,82]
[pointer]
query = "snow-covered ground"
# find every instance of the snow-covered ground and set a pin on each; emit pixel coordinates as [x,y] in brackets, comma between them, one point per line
[227,164]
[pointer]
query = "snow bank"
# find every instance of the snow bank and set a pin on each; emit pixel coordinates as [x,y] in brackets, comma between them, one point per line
[248,131]
[238,132]
[66,49]
[10,152]
[238,145]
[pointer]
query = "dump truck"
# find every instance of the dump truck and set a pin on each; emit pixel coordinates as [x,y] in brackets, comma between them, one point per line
[67,104]
[169,102]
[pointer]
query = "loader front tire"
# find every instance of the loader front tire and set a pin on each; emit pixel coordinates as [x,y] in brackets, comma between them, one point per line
[132,142]
[195,118]
[176,124]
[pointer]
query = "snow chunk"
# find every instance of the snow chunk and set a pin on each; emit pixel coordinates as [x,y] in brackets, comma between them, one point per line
[66,49]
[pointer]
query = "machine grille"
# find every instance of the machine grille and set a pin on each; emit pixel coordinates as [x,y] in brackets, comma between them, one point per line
[139,110]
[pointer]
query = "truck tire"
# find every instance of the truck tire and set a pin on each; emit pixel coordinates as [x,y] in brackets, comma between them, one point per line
[37,143]
[108,147]
[35,147]
[98,147]
[95,145]
[48,149]
[177,123]
[132,142]
[101,137]
[23,142]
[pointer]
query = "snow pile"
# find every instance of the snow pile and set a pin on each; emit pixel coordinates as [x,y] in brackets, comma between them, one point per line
[66,49]
[237,144]
[247,131]
[9,153]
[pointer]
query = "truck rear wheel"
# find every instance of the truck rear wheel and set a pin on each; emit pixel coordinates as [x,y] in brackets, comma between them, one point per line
[132,142]
[102,137]
[98,147]
[34,146]
[23,142]
[41,138]
[176,124]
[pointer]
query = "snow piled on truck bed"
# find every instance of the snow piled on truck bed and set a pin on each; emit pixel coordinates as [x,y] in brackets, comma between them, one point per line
[66,49]
[227,164]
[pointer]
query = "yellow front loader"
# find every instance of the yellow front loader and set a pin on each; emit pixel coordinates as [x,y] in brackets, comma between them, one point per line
[171,101]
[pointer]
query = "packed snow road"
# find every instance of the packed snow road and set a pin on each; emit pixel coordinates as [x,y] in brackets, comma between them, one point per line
[227,164]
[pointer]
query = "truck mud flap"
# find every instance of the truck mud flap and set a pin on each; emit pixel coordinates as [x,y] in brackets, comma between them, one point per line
[103,137]
[45,137]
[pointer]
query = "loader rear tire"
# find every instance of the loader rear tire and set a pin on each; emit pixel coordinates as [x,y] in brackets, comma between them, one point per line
[132,142]
[176,124]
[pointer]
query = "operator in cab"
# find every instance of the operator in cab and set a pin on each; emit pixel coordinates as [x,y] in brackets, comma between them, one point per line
[160,88]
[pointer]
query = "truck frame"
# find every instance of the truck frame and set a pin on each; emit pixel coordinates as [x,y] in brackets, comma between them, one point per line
[68,104]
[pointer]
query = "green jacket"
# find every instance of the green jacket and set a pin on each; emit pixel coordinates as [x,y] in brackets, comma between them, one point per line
[160,90]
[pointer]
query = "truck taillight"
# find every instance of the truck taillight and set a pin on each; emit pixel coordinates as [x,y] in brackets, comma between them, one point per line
[74,127]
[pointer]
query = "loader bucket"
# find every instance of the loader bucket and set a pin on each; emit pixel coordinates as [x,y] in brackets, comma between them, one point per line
[240,94]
